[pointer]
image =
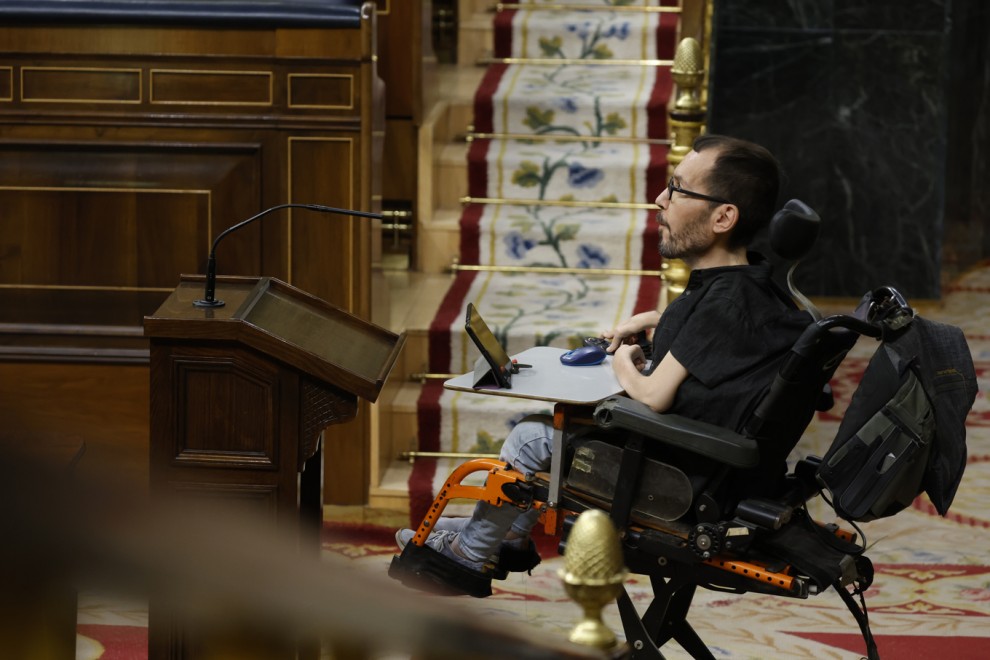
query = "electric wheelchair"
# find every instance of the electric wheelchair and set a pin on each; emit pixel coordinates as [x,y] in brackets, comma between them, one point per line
[698,505]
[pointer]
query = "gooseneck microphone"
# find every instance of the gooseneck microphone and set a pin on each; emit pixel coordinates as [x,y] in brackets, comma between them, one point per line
[209,295]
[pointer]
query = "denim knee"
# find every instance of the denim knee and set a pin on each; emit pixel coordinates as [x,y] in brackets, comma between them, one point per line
[529,445]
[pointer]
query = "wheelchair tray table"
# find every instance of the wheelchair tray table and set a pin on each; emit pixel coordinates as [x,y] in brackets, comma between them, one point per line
[550,380]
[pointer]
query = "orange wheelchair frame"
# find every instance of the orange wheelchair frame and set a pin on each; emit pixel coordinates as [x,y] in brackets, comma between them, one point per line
[677,557]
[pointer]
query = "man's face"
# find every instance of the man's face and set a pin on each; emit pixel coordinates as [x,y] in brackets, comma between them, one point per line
[685,221]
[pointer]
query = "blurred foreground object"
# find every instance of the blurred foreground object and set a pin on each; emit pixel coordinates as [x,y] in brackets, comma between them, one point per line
[223,570]
[593,574]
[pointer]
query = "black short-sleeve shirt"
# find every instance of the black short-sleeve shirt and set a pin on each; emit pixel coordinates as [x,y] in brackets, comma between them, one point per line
[731,329]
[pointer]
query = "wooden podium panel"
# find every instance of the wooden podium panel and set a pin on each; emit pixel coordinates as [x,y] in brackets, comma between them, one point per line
[240,396]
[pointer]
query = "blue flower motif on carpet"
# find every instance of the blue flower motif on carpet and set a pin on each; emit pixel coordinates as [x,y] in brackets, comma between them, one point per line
[592,35]
[567,104]
[620,32]
[592,256]
[518,245]
[579,176]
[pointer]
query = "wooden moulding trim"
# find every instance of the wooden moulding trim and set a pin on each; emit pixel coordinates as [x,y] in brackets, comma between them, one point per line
[343,44]
[69,354]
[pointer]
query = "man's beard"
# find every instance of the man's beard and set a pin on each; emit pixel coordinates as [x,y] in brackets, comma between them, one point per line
[691,241]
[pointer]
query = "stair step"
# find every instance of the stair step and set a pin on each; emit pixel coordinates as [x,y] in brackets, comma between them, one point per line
[439,241]
[448,218]
[415,298]
[443,168]
[475,36]
[392,492]
[469,7]
[591,173]
[450,169]
[538,34]
[457,81]
[456,85]
[438,245]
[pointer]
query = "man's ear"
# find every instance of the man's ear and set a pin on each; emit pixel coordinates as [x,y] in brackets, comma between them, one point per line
[726,217]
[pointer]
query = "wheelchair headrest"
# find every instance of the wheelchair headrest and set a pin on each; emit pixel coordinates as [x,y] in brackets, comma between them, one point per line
[793,230]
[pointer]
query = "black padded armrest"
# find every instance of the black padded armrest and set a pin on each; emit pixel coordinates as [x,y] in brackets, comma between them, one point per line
[233,13]
[720,444]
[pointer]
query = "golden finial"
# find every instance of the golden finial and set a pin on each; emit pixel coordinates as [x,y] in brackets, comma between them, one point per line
[593,574]
[688,72]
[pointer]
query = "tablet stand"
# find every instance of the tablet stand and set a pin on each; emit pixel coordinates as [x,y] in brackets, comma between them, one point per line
[485,378]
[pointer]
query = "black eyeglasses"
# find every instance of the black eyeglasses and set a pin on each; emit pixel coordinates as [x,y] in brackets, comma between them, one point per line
[671,188]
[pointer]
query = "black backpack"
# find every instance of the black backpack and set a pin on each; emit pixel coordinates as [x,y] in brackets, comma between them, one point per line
[904,431]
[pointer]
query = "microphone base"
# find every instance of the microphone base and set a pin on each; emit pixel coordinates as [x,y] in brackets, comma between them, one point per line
[208,303]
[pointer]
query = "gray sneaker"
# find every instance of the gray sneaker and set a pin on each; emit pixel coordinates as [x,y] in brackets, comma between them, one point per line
[404,536]
[516,556]
[441,540]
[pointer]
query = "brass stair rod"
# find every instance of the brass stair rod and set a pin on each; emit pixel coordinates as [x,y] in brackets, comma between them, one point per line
[550,202]
[413,455]
[563,6]
[554,61]
[555,137]
[421,377]
[550,270]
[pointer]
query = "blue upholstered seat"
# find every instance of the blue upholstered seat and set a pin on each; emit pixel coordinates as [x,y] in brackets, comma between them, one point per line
[235,13]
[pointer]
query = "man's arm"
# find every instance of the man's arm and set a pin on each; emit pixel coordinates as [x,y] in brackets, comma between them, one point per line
[634,324]
[656,390]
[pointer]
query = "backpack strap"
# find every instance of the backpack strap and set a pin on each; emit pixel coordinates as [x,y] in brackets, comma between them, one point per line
[865,569]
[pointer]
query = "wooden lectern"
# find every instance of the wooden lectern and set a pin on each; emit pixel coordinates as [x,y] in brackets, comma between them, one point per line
[241,393]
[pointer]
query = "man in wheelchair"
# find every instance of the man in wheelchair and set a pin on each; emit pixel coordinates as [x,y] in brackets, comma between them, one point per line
[718,344]
[701,492]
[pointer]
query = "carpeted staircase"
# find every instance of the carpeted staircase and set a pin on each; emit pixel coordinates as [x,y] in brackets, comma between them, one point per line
[567,154]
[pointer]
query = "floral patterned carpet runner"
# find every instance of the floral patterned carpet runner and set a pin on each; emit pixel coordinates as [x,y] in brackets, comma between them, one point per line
[568,160]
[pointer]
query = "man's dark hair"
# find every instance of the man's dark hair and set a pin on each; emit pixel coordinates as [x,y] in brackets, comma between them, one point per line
[747,175]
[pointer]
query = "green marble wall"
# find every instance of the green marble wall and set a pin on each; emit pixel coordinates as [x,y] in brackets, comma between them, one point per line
[879,114]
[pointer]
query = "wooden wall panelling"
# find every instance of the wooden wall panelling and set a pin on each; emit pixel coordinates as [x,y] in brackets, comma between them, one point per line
[405,55]
[125,149]
[399,161]
[104,406]
[407,67]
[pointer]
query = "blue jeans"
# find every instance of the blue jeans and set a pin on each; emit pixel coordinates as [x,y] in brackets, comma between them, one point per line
[527,449]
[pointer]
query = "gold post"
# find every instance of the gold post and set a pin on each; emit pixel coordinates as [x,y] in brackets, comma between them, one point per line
[593,574]
[687,121]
